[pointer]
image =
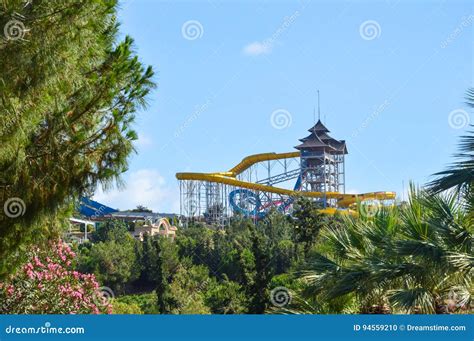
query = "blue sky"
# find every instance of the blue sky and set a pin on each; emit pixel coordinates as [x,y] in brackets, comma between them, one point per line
[392,77]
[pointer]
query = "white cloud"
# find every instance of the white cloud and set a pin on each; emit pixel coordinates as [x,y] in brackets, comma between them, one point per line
[143,187]
[257,48]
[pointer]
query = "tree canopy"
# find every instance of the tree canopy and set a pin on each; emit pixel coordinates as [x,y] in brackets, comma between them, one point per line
[69,90]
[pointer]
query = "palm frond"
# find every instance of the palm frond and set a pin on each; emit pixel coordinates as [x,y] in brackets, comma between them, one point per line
[411,299]
[419,248]
[352,280]
[386,273]
[470,97]
[460,173]
[320,263]
[448,217]
[461,261]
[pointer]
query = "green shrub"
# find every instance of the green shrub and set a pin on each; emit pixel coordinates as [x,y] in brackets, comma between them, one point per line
[121,308]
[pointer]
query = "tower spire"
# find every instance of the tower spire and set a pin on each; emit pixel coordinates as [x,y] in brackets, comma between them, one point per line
[319,108]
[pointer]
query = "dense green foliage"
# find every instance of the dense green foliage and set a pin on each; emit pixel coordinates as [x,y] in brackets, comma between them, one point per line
[416,259]
[202,271]
[146,304]
[68,93]
[307,223]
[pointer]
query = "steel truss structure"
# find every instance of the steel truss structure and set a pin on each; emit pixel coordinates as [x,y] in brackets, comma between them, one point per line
[215,203]
[262,182]
[323,172]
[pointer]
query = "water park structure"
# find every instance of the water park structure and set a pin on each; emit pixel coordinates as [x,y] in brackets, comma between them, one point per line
[316,170]
[91,213]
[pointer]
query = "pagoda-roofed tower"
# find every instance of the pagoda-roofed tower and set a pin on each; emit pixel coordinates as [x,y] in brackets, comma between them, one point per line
[322,162]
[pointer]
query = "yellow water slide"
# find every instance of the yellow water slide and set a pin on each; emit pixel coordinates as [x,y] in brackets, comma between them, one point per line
[229,178]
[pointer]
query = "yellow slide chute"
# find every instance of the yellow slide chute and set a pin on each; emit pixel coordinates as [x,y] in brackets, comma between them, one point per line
[249,161]
[229,178]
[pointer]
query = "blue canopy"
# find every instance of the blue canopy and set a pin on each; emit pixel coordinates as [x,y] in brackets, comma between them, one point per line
[89,208]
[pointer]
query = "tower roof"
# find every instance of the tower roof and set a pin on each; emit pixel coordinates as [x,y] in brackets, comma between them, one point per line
[309,137]
[319,127]
[319,139]
[313,142]
[315,146]
[340,146]
[324,136]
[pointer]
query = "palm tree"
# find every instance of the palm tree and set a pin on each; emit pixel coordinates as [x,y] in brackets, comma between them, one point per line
[436,243]
[354,260]
[414,259]
[460,175]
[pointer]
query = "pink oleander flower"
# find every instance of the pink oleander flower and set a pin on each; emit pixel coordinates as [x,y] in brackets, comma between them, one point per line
[30,274]
[37,262]
[10,290]
[57,287]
